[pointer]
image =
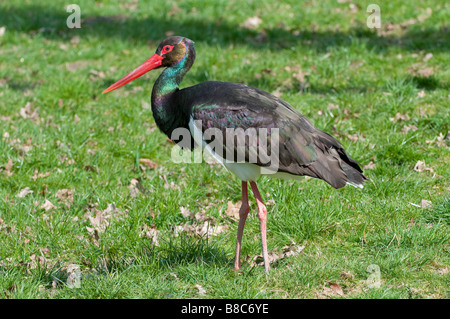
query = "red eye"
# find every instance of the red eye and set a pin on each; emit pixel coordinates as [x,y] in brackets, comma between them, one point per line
[166,49]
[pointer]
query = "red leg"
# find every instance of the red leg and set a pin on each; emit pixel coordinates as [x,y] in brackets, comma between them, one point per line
[243,212]
[262,215]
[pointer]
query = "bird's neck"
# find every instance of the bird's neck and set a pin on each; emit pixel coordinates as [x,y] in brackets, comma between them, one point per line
[166,111]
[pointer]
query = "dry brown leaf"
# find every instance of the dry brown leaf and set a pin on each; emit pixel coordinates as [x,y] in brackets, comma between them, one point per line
[28,113]
[8,167]
[39,175]
[24,192]
[421,94]
[94,74]
[150,232]
[201,290]
[353,137]
[252,22]
[74,276]
[37,261]
[425,72]
[287,251]
[65,195]
[101,219]
[371,165]
[421,70]
[347,275]
[426,203]
[427,57]
[233,209]
[439,140]
[136,188]
[147,164]
[421,167]
[47,205]
[399,117]
[408,128]
[186,212]
[200,216]
[75,39]
[205,229]
[442,271]
[337,290]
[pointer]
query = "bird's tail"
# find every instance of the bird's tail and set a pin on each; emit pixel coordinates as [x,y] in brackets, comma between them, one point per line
[355,177]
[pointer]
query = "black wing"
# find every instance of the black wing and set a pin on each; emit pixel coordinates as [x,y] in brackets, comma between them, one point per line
[302,148]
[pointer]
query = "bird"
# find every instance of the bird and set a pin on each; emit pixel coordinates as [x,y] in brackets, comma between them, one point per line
[254,118]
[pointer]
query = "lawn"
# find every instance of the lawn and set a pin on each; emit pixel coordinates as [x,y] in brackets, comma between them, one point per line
[88,188]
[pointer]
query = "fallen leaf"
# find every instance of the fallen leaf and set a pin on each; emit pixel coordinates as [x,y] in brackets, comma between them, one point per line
[8,167]
[337,290]
[28,113]
[408,128]
[36,261]
[426,203]
[371,165]
[200,216]
[233,209]
[347,275]
[96,74]
[24,192]
[287,251]
[399,117]
[421,166]
[442,271]
[150,232]
[353,137]
[420,70]
[74,276]
[136,188]
[421,94]
[47,205]
[39,175]
[205,229]
[102,219]
[147,164]
[252,22]
[427,57]
[186,212]
[201,290]
[439,141]
[75,39]
[66,196]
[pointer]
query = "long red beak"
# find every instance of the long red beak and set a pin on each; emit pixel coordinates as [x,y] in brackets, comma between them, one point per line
[152,63]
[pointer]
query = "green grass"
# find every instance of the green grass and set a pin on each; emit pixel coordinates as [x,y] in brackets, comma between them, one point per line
[91,144]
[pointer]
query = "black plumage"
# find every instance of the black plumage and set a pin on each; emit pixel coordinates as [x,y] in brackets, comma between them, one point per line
[225,107]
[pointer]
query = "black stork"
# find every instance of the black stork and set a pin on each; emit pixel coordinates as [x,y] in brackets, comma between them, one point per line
[302,149]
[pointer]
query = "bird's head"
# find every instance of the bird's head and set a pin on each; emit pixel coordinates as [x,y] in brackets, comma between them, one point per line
[170,52]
